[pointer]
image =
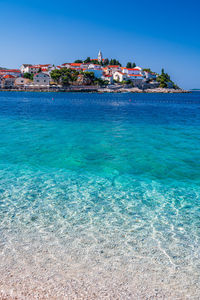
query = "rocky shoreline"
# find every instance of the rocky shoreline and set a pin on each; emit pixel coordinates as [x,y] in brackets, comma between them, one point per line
[95,89]
[137,90]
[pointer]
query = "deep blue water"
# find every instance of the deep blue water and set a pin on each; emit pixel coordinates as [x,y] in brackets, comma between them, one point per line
[104,165]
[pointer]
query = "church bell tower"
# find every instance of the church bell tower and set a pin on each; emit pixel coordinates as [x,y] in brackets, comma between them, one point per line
[100,56]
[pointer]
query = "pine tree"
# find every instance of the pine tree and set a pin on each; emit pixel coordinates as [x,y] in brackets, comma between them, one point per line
[129,65]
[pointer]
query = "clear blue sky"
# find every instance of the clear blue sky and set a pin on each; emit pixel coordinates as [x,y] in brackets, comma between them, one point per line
[153,34]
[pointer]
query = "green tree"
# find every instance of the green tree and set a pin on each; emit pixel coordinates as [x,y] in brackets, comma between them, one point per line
[115,62]
[147,70]
[175,86]
[89,75]
[28,76]
[129,65]
[106,82]
[106,62]
[163,84]
[56,75]
[100,81]
[65,80]
[164,79]
[128,81]
[65,76]
[78,61]
[96,62]
[87,60]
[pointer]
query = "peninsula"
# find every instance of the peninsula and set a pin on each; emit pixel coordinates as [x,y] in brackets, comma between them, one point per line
[90,75]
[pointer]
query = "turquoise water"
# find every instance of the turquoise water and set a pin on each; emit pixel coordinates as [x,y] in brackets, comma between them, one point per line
[99,193]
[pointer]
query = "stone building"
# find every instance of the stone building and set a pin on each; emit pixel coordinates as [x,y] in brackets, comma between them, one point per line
[41,79]
[8,81]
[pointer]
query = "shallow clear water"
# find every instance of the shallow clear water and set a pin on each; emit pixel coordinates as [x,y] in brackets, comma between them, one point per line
[99,195]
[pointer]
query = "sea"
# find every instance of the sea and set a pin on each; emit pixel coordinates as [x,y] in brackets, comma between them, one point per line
[99,196]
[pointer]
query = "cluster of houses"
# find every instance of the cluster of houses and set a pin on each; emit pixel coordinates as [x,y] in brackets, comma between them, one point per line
[41,74]
[14,78]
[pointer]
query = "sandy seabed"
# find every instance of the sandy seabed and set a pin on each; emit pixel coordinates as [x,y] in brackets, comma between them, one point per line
[50,274]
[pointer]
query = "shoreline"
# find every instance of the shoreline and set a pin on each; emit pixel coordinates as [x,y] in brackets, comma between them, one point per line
[100,90]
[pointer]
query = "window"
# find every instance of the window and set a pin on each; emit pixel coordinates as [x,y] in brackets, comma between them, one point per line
[38,81]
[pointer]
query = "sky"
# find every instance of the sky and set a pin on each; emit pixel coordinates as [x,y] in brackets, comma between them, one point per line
[156,34]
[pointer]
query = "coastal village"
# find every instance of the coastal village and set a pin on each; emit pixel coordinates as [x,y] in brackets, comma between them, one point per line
[92,74]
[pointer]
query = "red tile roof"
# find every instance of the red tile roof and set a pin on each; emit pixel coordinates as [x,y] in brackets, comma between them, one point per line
[34,67]
[76,64]
[9,76]
[113,66]
[10,71]
[135,75]
[132,69]
[40,66]
[96,59]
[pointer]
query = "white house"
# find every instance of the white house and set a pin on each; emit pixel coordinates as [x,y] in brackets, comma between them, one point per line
[94,66]
[25,68]
[150,75]
[134,71]
[41,79]
[71,65]
[29,69]
[34,69]
[111,69]
[108,78]
[119,76]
